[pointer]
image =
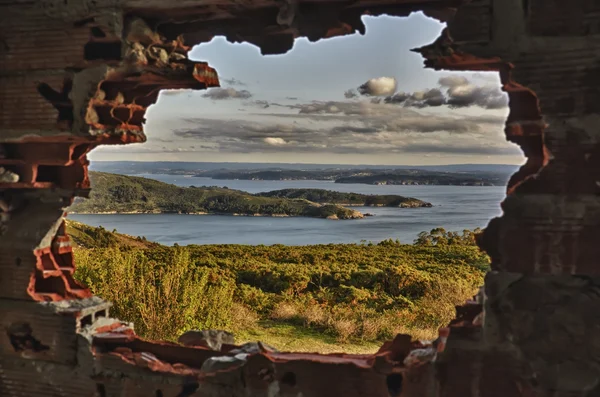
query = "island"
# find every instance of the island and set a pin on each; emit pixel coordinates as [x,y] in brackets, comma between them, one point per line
[348,199]
[120,194]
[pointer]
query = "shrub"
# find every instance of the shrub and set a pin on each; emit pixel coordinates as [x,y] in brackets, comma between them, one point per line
[344,328]
[163,300]
[243,318]
[314,314]
[285,311]
[351,291]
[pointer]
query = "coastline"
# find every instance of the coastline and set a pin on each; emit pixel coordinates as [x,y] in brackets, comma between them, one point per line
[205,213]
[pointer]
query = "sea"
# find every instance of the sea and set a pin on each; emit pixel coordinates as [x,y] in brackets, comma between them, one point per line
[455,208]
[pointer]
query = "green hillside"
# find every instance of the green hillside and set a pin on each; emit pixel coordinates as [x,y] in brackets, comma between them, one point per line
[114,193]
[334,297]
[333,197]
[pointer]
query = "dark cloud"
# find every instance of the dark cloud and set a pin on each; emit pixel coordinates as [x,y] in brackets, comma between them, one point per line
[420,99]
[350,94]
[387,117]
[347,129]
[352,127]
[233,81]
[226,93]
[459,93]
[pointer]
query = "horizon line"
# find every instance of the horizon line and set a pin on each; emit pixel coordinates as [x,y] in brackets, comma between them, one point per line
[296,163]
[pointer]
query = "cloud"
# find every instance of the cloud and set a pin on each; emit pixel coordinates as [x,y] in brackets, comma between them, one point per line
[350,94]
[226,93]
[262,103]
[233,81]
[419,99]
[459,93]
[351,127]
[453,81]
[487,97]
[274,141]
[381,86]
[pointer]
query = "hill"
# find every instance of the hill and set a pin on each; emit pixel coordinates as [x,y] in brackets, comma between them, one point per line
[325,298]
[114,193]
[333,197]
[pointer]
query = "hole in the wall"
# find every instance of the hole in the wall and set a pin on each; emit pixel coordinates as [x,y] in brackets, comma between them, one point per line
[101,313]
[21,338]
[48,263]
[49,173]
[49,285]
[86,321]
[394,384]
[111,92]
[18,261]
[159,393]
[64,261]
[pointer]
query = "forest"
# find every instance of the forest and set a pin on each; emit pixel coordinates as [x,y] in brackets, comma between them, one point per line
[114,193]
[333,197]
[314,298]
[130,194]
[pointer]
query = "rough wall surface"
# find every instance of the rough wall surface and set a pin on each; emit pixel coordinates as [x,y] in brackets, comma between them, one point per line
[78,74]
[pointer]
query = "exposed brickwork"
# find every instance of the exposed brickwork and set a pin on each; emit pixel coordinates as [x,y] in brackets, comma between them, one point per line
[75,75]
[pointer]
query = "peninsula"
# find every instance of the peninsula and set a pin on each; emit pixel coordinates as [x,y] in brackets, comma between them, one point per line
[120,194]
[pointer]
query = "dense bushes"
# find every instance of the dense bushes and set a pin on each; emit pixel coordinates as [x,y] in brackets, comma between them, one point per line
[330,196]
[129,194]
[354,291]
[162,298]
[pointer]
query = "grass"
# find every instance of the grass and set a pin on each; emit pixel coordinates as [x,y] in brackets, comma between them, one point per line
[334,297]
[290,337]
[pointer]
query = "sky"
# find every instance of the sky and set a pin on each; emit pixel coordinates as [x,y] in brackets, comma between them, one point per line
[358,99]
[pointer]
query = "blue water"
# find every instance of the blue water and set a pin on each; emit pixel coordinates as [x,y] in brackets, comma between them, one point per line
[454,208]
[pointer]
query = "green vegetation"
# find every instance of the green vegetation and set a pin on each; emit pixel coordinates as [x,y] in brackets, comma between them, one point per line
[323,297]
[114,193]
[419,177]
[333,197]
[368,176]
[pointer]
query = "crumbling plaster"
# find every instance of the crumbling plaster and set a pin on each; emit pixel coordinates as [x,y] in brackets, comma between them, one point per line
[530,332]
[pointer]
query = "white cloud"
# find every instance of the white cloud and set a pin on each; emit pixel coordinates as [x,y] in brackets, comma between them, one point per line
[274,141]
[381,86]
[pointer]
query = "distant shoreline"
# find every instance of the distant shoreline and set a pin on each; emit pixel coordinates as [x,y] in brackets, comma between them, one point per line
[204,213]
[179,213]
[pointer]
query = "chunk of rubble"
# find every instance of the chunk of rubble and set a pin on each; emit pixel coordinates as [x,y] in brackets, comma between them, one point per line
[236,357]
[7,176]
[212,339]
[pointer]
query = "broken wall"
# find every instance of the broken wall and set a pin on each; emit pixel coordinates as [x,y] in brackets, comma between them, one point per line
[78,74]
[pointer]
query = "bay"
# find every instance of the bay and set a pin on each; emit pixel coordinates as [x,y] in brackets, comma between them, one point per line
[454,208]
